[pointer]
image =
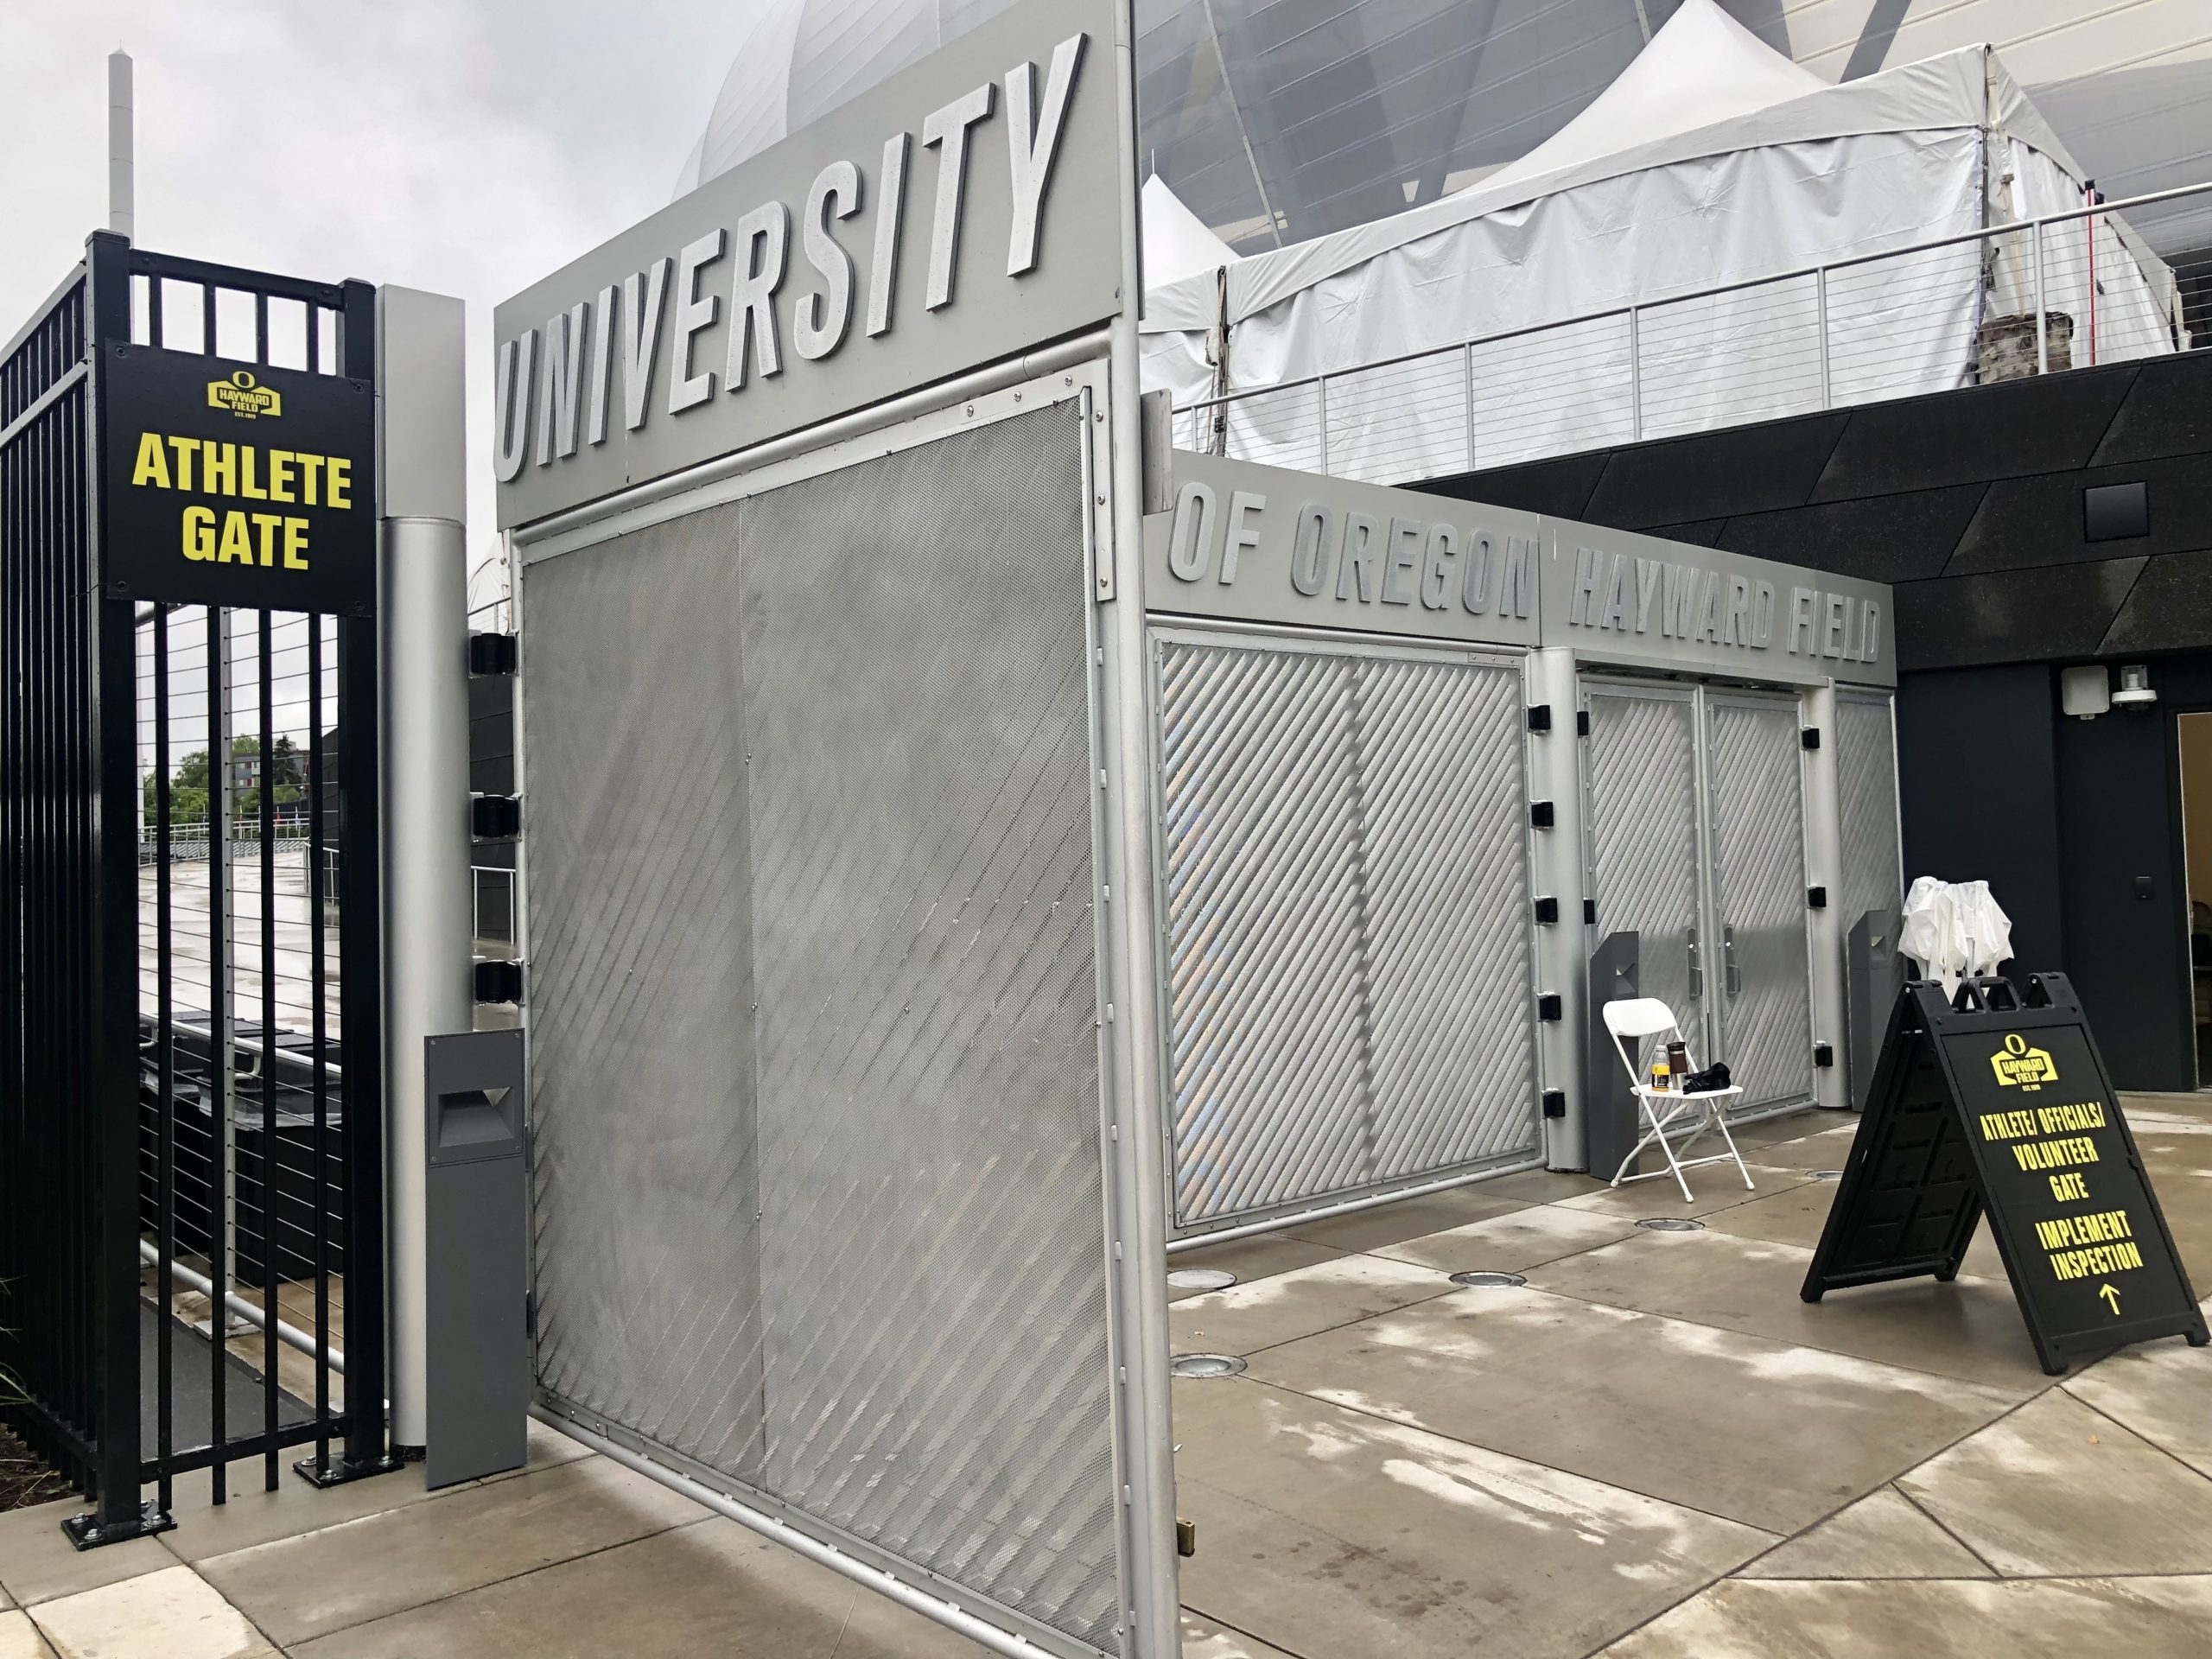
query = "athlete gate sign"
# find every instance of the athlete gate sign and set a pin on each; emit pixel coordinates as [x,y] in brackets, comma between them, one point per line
[245,486]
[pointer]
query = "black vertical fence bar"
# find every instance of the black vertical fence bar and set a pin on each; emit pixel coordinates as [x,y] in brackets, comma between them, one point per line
[360,1037]
[220,1219]
[319,1036]
[164,1077]
[360,973]
[110,700]
[269,1177]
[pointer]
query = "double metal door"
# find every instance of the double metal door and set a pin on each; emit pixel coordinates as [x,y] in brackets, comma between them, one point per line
[1349,1003]
[1695,822]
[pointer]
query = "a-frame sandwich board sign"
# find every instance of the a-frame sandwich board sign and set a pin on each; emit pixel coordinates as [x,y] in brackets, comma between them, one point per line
[1999,1103]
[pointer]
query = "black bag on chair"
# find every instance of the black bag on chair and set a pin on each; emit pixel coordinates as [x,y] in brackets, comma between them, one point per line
[1704,1083]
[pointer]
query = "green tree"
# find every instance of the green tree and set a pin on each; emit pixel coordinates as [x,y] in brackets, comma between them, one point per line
[187,793]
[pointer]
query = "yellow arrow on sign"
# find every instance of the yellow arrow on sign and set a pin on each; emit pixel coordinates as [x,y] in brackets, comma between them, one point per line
[2111,1298]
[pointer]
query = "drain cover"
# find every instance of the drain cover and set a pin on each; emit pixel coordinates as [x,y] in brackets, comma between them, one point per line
[1479,1280]
[1828,1174]
[1207,1365]
[1672,1224]
[1200,1278]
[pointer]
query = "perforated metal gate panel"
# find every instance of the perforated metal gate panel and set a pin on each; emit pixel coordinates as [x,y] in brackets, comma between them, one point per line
[1347,910]
[1866,790]
[1640,772]
[1451,977]
[1755,775]
[1261,851]
[819,1189]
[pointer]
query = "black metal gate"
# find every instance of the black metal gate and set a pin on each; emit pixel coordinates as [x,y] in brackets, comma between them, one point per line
[191,1104]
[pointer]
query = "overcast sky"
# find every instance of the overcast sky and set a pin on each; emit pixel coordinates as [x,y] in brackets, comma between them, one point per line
[464,146]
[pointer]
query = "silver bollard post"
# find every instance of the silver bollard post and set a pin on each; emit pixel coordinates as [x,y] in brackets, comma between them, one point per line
[423,636]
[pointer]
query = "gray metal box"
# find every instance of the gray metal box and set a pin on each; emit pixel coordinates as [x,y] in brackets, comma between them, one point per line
[477,1226]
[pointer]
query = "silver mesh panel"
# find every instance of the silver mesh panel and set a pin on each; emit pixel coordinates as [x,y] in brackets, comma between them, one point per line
[1758,881]
[1347,897]
[1640,775]
[881,1300]
[1867,789]
[647,1188]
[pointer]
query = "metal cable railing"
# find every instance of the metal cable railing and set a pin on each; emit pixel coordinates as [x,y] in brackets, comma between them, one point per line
[2039,296]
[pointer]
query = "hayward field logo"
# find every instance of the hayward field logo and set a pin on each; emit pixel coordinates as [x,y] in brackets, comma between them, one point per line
[2019,1067]
[245,397]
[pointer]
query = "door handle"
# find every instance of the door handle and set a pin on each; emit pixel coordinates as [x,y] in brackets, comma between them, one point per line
[1731,974]
[1697,971]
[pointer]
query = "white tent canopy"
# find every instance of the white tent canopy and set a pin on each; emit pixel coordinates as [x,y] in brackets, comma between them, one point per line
[1644,195]
[1177,242]
[1701,50]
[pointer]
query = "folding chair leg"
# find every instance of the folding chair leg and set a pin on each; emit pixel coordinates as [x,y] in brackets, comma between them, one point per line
[1680,1179]
[1654,1130]
[1720,1121]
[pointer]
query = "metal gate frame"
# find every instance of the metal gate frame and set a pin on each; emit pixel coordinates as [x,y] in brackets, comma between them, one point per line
[1713,1032]
[75,1064]
[1135,1263]
[1164,629]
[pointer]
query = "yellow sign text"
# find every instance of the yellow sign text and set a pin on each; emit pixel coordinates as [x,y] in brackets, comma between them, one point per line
[273,537]
[203,466]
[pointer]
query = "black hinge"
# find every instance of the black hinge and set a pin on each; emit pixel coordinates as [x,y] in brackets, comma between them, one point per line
[1548,1005]
[1816,898]
[1548,911]
[530,1314]
[492,654]
[1540,718]
[499,981]
[1555,1103]
[1811,737]
[1539,815]
[1590,912]
[1582,722]
[1823,1054]
[495,818]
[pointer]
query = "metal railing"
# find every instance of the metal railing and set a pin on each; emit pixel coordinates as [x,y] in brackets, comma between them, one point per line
[2002,303]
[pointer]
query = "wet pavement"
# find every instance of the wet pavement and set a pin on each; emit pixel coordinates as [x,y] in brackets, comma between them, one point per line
[1651,1449]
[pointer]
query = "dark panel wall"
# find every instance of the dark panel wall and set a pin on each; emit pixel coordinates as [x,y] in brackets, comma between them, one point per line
[2125,893]
[1969,501]
[1977,780]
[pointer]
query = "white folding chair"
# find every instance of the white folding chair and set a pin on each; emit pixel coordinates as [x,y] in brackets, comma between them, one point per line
[1664,1110]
